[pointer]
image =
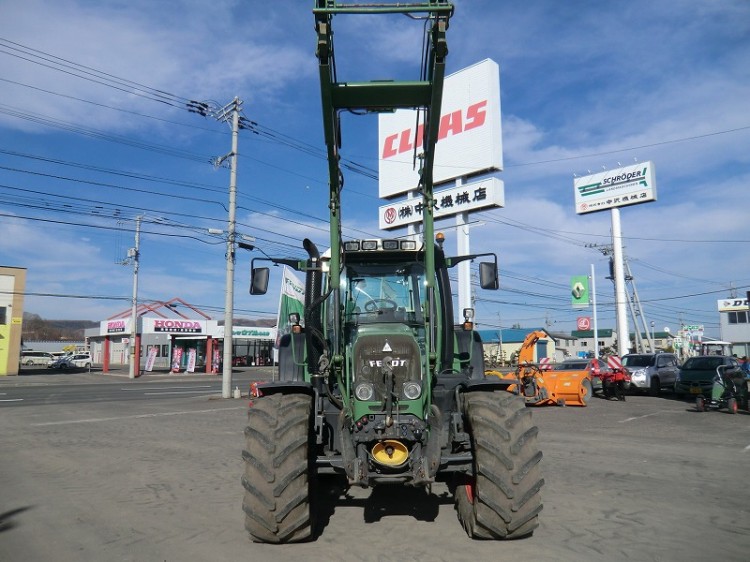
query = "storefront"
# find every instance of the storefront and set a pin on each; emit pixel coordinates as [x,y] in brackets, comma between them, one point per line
[156,341]
[734,318]
[252,345]
[178,344]
[12,285]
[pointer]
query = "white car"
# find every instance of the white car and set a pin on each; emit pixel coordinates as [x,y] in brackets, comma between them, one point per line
[77,361]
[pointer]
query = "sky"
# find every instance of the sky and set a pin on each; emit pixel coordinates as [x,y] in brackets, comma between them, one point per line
[94,132]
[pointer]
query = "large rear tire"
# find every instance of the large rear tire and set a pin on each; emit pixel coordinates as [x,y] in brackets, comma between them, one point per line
[278,469]
[501,499]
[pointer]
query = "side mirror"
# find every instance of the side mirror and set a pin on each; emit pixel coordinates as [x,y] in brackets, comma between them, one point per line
[488,277]
[259,281]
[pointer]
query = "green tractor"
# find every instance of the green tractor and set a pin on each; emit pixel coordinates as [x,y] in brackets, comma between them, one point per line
[378,383]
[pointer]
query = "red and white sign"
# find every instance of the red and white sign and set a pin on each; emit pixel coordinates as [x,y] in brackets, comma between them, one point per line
[545,363]
[160,325]
[469,138]
[176,359]
[151,359]
[584,323]
[614,362]
[191,360]
[110,327]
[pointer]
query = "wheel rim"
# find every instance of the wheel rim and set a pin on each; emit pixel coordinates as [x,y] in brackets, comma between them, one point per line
[588,390]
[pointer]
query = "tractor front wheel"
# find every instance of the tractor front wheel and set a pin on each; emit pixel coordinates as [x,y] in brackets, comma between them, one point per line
[278,468]
[500,499]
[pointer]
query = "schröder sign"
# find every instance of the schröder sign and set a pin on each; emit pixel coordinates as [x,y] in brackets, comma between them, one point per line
[469,139]
[630,185]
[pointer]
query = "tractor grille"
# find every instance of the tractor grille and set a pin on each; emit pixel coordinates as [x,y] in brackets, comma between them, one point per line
[373,352]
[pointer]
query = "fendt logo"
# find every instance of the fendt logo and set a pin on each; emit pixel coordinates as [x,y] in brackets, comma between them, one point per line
[452,123]
[393,362]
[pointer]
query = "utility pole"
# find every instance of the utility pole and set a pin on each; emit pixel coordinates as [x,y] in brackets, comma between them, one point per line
[230,113]
[233,109]
[135,352]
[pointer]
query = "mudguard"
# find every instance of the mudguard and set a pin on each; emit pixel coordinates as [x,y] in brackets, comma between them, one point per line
[267,388]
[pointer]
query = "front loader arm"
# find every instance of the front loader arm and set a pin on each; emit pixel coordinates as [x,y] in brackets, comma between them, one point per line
[381,96]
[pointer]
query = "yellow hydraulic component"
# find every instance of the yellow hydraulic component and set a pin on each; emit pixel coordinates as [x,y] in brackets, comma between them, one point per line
[390,453]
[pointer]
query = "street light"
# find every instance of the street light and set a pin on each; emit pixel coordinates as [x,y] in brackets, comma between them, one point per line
[653,337]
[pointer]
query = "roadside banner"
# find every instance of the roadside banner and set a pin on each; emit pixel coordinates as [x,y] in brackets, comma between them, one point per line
[191,360]
[291,299]
[151,359]
[176,359]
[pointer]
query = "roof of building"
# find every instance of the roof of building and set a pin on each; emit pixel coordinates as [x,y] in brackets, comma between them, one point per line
[562,336]
[173,308]
[602,332]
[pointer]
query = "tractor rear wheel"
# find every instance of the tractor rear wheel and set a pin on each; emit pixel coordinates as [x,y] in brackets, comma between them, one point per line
[278,468]
[500,500]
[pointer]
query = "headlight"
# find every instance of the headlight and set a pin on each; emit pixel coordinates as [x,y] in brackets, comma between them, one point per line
[639,374]
[412,390]
[364,391]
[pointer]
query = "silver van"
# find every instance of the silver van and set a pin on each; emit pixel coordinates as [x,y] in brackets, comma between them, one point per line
[651,372]
[35,358]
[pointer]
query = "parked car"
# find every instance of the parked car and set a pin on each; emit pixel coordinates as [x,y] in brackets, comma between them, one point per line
[696,375]
[77,361]
[35,357]
[651,372]
[55,356]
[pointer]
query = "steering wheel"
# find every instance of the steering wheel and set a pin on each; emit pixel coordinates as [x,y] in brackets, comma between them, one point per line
[386,305]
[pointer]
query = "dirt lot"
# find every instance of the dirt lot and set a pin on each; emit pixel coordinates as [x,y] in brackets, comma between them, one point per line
[647,479]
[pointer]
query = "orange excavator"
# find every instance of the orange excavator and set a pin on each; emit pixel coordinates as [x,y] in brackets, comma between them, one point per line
[541,387]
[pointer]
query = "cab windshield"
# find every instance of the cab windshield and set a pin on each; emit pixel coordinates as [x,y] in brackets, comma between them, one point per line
[383,293]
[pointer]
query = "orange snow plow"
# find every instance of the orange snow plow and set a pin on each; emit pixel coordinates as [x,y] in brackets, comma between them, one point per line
[541,387]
